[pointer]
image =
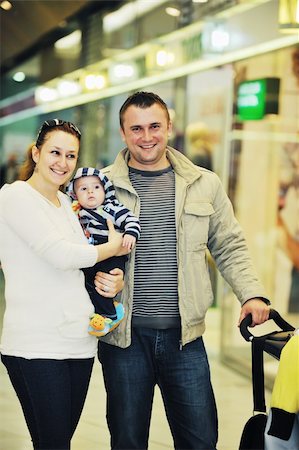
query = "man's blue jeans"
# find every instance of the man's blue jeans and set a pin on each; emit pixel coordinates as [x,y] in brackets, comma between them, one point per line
[183,375]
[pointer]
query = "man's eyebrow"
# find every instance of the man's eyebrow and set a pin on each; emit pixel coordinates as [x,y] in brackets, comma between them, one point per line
[141,126]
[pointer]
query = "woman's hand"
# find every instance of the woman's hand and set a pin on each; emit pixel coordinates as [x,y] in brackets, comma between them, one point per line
[109,284]
[113,235]
[116,239]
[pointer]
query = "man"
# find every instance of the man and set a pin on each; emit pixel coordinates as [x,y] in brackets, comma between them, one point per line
[183,210]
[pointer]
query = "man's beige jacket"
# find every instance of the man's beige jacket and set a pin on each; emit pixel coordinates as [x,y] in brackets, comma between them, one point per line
[204,220]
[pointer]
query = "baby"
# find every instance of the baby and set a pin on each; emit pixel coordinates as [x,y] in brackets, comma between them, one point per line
[94,201]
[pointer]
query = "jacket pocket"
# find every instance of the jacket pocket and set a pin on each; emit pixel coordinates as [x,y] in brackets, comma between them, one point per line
[196,224]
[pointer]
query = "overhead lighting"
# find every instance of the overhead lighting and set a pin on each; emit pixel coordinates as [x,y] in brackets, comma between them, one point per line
[215,37]
[200,1]
[19,77]
[174,12]
[289,16]
[128,13]
[123,72]
[64,89]
[6,5]
[92,82]
[219,39]
[69,41]
[68,88]
[164,58]
[45,95]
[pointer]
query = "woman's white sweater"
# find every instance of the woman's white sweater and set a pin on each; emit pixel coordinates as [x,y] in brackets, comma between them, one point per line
[42,248]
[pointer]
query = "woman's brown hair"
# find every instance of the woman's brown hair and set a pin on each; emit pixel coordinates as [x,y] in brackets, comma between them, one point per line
[27,168]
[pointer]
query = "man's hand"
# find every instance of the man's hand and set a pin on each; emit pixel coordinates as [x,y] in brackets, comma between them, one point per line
[257,308]
[109,284]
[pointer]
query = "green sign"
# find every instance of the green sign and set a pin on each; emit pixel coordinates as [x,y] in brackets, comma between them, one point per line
[256,98]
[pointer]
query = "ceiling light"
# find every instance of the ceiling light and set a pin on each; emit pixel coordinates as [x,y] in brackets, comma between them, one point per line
[200,1]
[172,11]
[215,37]
[19,77]
[6,5]
[94,82]
[123,72]
[67,88]
[164,58]
[69,41]
[45,94]
[219,39]
[288,16]
[128,13]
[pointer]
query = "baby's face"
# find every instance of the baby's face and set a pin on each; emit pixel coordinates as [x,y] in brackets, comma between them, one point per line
[90,191]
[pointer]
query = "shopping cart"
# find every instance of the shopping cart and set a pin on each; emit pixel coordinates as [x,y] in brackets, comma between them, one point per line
[272,343]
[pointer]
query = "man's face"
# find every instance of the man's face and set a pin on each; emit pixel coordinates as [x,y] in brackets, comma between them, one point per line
[145,132]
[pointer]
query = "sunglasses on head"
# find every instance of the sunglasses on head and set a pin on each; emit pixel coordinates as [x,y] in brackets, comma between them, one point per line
[57,122]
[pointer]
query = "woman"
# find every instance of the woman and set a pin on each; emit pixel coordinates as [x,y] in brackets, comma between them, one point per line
[45,344]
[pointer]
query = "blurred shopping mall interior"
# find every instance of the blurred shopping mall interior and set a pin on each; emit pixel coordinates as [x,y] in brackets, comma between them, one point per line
[229,73]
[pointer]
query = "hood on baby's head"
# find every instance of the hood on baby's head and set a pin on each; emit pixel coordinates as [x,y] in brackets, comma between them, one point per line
[88,172]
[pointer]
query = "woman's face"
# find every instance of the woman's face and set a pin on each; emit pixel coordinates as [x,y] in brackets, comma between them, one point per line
[56,159]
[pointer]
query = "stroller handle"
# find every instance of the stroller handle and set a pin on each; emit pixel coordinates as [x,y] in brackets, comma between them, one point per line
[274,315]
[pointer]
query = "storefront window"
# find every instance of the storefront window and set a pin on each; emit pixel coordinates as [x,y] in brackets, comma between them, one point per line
[264,188]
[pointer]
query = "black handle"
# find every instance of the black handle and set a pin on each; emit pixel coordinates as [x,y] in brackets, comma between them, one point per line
[274,315]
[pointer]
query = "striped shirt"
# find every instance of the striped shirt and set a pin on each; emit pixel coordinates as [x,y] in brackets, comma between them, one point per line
[155,302]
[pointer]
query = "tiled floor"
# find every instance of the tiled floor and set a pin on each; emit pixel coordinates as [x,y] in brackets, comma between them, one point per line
[232,391]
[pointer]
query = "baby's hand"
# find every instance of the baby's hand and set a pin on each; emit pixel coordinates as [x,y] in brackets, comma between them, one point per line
[129,241]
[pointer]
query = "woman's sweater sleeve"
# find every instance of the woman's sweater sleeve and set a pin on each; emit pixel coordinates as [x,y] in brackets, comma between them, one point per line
[32,223]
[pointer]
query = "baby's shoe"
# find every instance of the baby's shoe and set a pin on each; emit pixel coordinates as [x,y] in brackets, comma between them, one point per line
[120,314]
[100,325]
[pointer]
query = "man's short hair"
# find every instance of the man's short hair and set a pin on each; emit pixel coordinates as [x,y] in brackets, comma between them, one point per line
[142,100]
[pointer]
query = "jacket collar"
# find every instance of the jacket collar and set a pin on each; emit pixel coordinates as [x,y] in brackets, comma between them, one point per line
[181,165]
